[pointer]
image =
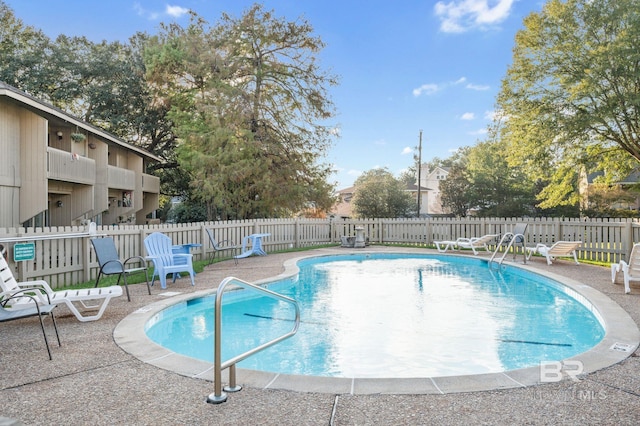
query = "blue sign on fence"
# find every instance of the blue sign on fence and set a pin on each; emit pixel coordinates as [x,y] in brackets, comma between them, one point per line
[25,251]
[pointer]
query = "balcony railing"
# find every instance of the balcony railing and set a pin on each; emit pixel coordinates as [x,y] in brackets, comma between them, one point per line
[120,178]
[69,167]
[150,183]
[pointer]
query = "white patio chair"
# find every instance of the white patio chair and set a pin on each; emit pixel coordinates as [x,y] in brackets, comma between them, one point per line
[630,270]
[558,249]
[473,243]
[89,299]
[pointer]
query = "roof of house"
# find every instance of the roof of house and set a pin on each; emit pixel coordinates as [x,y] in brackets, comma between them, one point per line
[414,188]
[49,111]
[632,178]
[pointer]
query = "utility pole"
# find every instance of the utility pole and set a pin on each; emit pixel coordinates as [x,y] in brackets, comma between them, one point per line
[419,171]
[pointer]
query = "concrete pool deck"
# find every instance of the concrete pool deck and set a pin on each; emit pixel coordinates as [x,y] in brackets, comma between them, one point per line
[92,380]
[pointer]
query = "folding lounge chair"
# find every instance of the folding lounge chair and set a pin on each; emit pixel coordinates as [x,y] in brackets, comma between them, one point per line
[224,245]
[110,263]
[630,271]
[558,249]
[165,261]
[88,298]
[34,309]
[473,243]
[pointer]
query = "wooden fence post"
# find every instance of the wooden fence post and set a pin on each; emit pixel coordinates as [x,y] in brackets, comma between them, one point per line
[296,236]
[86,270]
[627,241]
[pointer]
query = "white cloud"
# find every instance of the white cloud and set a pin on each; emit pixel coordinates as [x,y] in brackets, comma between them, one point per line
[468,116]
[432,88]
[428,89]
[458,16]
[407,150]
[477,87]
[176,11]
[173,11]
[380,142]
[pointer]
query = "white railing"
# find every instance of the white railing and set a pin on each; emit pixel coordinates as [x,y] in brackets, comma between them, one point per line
[70,261]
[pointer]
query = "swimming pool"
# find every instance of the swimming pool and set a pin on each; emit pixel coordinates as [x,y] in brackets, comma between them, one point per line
[413,316]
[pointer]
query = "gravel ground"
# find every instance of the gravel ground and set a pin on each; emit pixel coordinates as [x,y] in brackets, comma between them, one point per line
[92,381]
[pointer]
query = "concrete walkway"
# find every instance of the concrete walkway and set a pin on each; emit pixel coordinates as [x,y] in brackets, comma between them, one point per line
[91,380]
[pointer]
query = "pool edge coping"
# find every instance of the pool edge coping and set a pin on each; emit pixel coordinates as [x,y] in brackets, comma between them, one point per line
[620,328]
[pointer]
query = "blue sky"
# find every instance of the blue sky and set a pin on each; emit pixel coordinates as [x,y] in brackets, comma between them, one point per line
[404,66]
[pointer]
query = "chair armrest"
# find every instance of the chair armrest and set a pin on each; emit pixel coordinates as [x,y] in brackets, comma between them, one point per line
[189,255]
[227,244]
[6,296]
[34,293]
[136,258]
[39,284]
[116,261]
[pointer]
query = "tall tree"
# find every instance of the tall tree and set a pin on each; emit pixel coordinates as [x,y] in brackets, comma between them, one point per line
[496,188]
[378,194]
[571,94]
[250,105]
[25,54]
[455,191]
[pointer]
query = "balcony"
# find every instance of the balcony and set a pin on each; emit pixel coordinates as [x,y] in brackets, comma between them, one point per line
[68,167]
[150,183]
[119,178]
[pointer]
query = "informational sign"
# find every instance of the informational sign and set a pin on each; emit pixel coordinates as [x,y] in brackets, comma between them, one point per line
[24,251]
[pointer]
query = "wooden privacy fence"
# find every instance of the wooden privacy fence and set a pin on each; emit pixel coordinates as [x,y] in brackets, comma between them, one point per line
[64,256]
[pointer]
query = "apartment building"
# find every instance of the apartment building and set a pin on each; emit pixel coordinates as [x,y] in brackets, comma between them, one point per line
[56,170]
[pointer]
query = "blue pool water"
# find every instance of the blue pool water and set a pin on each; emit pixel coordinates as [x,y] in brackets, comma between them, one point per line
[392,315]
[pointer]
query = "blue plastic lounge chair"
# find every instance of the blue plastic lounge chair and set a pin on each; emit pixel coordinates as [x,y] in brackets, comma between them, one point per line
[165,260]
[252,245]
[88,299]
[110,263]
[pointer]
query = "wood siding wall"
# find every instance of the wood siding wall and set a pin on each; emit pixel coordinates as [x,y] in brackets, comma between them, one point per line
[10,179]
[33,165]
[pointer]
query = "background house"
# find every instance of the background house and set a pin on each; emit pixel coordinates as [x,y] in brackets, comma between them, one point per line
[622,194]
[56,170]
[343,209]
[430,201]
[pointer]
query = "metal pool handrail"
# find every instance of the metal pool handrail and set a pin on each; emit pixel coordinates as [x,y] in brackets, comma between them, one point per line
[219,396]
[511,238]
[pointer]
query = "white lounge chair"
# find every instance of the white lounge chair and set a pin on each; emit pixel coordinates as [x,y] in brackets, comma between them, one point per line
[473,243]
[558,249]
[630,271]
[88,298]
